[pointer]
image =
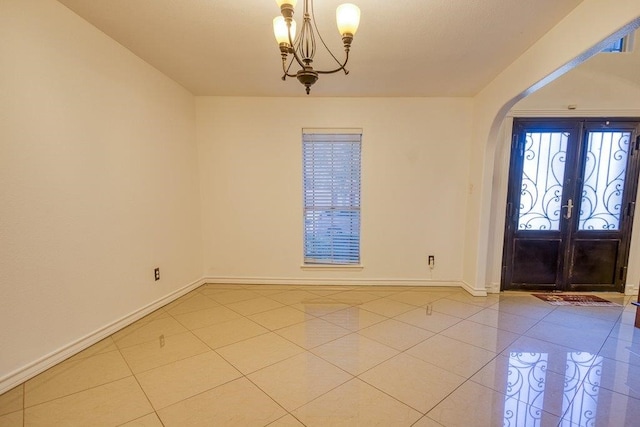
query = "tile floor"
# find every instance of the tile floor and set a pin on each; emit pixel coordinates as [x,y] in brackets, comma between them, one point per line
[348,356]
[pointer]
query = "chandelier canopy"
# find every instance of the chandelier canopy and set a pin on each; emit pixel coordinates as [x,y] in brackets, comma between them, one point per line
[302,45]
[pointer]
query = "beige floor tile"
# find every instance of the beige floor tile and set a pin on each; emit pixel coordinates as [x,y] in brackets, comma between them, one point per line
[253,306]
[149,420]
[102,346]
[232,296]
[486,407]
[320,306]
[623,351]
[195,302]
[609,314]
[353,318]
[466,298]
[355,353]
[286,421]
[452,355]
[354,297]
[523,306]
[210,289]
[324,292]
[578,338]
[109,404]
[73,376]
[417,298]
[207,317]
[299,379]
[13,419]
[616,376]
[160,313]
[292,296]
[625,332]
[238,403]
[601,407]
[482,336]
[387,307]
[263,287]
[426,422]
[192,384]
[142,332]
[267,292]
[280,317]
[356,404]
[628,317]
[412,381]
[556,354]
[574,319]
[504,321]
[150,355]
[428,319]
[176,302]
[12,400]
[455,308]
[258,352]
[312,333]
[524,377]
[179,380]
[225,333]
[398,335]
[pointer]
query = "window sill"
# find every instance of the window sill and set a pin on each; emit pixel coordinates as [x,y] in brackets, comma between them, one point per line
[351,267]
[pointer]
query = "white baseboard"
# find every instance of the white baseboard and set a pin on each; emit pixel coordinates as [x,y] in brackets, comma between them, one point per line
[34,368]
[493,288]
[473,291]
[234,280]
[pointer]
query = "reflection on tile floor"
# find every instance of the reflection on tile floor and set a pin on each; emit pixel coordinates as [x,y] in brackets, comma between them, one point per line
[232,355]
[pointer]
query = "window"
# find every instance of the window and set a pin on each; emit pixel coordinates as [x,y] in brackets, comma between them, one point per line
[331,180]
[625,44]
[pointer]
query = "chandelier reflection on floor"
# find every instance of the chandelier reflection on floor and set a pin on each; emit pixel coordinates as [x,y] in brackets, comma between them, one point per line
[302,46]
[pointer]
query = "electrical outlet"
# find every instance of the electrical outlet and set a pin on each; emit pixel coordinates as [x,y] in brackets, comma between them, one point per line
[156,273]
[431,261]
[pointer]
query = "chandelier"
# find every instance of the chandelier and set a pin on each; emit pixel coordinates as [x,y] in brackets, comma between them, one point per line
[302,46]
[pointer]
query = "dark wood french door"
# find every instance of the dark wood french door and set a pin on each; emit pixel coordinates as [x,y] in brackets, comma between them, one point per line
[570,204]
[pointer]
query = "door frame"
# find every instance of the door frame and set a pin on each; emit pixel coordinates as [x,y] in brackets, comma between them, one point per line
[502,172]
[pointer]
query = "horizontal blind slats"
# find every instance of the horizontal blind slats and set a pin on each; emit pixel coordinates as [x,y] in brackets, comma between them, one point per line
[331,168]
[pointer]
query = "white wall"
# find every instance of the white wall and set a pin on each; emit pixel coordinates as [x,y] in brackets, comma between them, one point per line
[597,90]
[414,186]
[98,183]
[589,28]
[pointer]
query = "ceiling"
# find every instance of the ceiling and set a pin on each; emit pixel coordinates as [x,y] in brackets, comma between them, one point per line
[402,48]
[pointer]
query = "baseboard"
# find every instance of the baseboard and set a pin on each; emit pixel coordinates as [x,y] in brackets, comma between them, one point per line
[32,369]
[473,291]
[233,280]
[493,288]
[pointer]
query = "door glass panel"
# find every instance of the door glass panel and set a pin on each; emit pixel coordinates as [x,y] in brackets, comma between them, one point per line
[604,175]
[542,176]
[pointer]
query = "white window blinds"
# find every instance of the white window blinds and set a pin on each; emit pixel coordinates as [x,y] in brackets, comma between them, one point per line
[331,174]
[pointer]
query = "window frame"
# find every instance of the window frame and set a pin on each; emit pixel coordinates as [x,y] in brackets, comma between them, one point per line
[348,215]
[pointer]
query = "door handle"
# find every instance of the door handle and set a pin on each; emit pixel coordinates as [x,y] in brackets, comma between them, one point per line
[569,207]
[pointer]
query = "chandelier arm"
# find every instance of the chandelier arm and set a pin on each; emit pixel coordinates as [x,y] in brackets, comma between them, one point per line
[341,68]
[286,70]
[292,48]
[315,25]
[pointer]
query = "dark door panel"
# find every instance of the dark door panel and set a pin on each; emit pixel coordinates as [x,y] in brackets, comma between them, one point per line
[594,262]
[570,203]
[535,261]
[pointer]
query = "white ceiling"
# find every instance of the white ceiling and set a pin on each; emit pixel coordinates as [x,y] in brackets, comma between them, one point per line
[402,48]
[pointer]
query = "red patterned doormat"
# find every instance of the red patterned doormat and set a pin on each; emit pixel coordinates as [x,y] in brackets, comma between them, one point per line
[582,300]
